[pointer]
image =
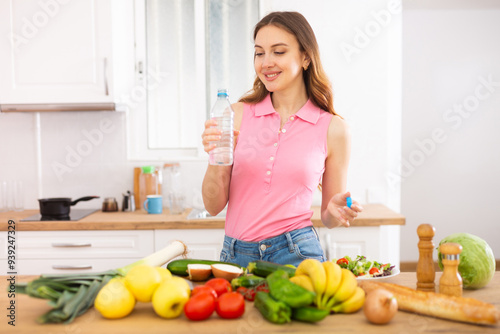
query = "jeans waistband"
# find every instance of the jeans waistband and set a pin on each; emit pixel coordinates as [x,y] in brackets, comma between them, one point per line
[287,236]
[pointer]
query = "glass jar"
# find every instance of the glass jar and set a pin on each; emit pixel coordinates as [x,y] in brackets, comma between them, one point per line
[149,183]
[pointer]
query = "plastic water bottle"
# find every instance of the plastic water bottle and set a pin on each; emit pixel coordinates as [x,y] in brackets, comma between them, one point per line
[222,154]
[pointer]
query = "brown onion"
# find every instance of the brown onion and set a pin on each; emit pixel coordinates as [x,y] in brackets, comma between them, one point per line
[380,306]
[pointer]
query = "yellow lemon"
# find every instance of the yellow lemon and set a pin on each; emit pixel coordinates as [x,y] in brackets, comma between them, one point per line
[142,281]
[164,273]
[114,300]
[169,298]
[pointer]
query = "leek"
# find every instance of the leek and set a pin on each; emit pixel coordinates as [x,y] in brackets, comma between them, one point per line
[71,295]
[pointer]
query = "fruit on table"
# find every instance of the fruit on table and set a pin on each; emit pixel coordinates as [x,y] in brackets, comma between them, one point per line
[346,289]
[164,273]
[226,271]
[315,270]
[333,280]
[200,306]
[380,306]
[114,300]
[230,305]
[142,281]
[351,305]
[220,285]
[199,272]
[170,297]
[304,281]
[204,289]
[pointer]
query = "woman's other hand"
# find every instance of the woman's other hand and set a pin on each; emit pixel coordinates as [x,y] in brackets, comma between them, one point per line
[341,213]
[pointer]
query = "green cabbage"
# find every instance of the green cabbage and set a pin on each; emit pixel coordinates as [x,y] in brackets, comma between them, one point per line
[477,262]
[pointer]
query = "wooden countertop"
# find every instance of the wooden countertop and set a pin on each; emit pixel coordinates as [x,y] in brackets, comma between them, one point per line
[144,320]
[373,215]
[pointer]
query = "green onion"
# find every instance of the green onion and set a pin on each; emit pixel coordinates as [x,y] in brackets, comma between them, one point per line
[71,295]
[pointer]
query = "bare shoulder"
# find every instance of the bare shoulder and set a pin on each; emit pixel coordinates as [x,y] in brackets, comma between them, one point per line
[238,114]
[338,129]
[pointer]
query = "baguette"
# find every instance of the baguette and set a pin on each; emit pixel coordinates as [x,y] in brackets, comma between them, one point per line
[439,305]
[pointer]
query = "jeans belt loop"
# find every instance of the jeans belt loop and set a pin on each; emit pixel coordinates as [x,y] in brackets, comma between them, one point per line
[315,232]
[289,241]
[231,248]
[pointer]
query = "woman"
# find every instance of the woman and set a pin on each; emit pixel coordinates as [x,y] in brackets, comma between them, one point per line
[289,141]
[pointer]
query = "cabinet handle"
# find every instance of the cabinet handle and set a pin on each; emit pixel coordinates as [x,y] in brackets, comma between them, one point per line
[106,88]
[83,266]
[81,244]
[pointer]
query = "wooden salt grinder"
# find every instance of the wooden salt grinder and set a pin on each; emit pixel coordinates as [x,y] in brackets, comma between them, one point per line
[450,282]
[425,266]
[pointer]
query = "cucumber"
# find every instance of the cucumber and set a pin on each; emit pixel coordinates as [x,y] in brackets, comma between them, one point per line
[247,281]
[179,267]
[264,268]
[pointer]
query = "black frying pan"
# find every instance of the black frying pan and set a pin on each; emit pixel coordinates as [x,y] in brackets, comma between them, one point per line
[59,207]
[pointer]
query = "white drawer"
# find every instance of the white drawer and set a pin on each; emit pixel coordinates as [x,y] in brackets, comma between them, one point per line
[84,244]
[68,266]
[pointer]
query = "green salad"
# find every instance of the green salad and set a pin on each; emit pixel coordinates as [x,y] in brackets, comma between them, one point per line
[362,267]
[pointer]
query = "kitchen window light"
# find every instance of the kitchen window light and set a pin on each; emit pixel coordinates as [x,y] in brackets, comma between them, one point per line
[184,51]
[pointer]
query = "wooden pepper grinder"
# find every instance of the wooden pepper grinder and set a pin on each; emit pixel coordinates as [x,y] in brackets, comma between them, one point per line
[450,282]
[425,266]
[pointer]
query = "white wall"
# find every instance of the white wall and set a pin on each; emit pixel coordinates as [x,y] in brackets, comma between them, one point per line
[366,86]
[450,180]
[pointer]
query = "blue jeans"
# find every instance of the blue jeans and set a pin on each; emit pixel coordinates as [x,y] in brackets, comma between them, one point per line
[288,248]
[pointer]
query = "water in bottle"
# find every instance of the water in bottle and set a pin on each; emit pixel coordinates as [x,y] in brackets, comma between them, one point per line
[222,154]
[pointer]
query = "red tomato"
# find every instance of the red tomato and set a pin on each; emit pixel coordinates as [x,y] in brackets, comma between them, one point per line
[230,305]
[200,307]
[262,287]
[374,270]
[203,289]
[342,261]
[250,295]
[220,285]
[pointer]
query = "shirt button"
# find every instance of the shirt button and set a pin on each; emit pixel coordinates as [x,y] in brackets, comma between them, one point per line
[271,158]
[284,130]
[292,118]
[268,172]
[275,144]
[262,247]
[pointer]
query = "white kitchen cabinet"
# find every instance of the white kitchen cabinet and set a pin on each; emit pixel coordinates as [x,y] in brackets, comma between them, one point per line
[77,251]
[378,243]
[55,51]
[202,243]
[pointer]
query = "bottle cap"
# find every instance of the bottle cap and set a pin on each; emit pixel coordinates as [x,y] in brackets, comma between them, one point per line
[148,169]
[222,92]
[349,202]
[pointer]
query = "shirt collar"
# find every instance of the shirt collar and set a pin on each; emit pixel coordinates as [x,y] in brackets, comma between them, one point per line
[309,112]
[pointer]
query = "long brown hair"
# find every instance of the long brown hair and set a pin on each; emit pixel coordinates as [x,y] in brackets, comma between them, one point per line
[318,86]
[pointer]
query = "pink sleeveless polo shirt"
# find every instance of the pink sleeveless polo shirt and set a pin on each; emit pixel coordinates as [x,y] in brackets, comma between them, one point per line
[275,172]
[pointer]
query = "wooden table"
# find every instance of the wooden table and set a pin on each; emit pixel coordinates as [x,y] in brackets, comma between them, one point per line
[144,320]
[373,215]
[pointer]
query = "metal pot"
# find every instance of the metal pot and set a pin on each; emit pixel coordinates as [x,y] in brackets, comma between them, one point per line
[59,207]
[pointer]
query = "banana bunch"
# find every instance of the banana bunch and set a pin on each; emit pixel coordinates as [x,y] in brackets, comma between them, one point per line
[336,288]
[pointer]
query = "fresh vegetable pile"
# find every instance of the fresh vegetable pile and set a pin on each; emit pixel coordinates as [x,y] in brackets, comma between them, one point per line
[71,295]
[308,293]
[362,267]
